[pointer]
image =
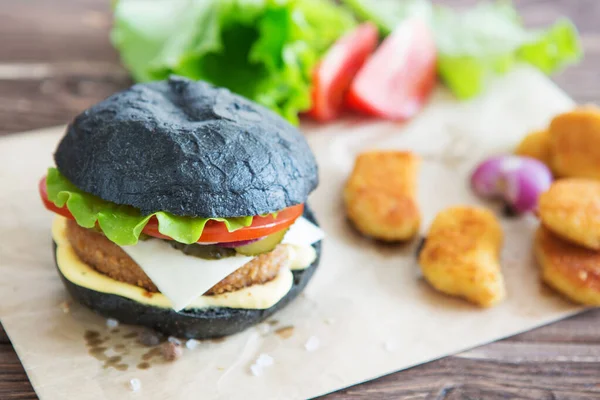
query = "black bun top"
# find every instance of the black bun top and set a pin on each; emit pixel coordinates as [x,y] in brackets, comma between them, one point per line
[188,148]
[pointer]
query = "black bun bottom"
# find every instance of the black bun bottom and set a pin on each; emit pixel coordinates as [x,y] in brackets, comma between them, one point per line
[189,323]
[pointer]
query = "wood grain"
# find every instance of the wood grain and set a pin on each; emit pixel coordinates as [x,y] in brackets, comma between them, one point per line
[56,60]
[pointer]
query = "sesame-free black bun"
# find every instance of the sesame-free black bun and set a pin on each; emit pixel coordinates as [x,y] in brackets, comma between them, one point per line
[189,323]
[188,148]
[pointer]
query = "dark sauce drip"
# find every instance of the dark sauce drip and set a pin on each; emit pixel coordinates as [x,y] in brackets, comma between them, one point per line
[144,365]
[150,354]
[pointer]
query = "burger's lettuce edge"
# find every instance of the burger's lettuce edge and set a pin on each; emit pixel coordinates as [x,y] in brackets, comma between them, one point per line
[264,50]
[481,42]
[123,224]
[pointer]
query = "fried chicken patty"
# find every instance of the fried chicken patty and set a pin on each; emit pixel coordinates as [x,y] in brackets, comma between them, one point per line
[571,209]
[380,195]
[109,259]
[461,253]
[572,270]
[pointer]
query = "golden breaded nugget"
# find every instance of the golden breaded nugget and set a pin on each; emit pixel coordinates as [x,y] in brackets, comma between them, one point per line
[460,256]
[575,143]
[380,195]
[571,209]
[572,270]
[536,145]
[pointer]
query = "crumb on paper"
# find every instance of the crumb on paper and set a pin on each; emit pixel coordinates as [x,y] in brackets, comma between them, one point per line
[135,385]
[192,344]
[174,340]
[112,323]
[263,361]
[312,344]
[65,306]
[171,351]
[285,332]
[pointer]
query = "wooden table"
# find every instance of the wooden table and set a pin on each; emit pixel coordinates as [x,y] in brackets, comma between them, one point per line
[56,60]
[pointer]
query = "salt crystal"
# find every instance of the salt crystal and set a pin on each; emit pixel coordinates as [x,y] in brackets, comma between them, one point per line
[390,346]
[312,343]
[174,340]
[256,370]
[112,323]
[135,384]
[264,360]
[192,344]
[263,329]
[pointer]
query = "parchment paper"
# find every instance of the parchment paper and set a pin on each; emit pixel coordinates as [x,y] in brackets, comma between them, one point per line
[367,306]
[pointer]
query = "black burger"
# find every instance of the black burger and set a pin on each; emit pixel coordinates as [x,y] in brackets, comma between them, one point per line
[182,207]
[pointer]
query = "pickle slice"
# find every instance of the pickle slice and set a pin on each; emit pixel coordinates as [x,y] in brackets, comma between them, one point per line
[207,252]
[262,246]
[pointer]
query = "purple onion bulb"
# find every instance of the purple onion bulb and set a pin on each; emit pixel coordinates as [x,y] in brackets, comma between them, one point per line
[519,181]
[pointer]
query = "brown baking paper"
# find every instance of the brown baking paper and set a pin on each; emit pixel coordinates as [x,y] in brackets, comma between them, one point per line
[367,308]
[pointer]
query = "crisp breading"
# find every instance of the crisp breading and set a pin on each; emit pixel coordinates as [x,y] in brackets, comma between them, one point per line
[572,270]
[109,259]
[575,143]
[571,209]
[380,195]
[536,145]
[460,256]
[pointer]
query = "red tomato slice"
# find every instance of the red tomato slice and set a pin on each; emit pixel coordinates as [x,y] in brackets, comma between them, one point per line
[397,79]
[214,231]
[332,77]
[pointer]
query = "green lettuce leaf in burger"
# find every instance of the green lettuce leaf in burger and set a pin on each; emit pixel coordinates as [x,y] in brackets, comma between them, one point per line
[181,207]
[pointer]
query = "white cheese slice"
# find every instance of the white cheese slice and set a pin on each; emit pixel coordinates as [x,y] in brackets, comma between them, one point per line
[178,276]
[303,233]
[182,278]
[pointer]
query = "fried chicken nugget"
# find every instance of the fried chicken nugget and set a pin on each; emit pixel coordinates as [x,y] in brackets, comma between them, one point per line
[460,256]
[536,145]
[571,209]
[380,195]
[575,143]
[571,270]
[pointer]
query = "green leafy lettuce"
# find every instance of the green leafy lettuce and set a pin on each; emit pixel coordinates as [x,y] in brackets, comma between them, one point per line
[480,42]
[264,50]
[124,224]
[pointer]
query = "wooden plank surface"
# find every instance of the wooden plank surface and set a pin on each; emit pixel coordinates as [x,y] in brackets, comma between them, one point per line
[56,60]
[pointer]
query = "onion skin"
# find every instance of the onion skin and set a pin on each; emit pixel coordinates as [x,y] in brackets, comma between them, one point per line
[519,181]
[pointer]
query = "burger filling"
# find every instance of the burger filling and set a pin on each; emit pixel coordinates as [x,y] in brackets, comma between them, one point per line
[86,258]
[109,259]
[177,261]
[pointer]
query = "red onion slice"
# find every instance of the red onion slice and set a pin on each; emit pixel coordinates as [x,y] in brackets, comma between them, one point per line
[239,243]
[519,181]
